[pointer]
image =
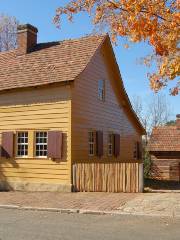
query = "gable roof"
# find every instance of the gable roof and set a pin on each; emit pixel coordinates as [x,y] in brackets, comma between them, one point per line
[47,63]
[56,62]
[165,138]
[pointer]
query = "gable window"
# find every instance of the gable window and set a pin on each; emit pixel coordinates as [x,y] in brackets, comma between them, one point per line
[110,144]
[41,144]
[22,144]
[91,142]
[101,90]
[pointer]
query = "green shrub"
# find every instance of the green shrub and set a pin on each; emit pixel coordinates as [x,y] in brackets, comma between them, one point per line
[147,164]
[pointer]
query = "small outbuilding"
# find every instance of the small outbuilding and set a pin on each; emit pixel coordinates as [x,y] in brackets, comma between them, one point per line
[164,148]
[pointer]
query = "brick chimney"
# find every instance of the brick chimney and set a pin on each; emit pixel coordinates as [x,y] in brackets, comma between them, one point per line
[178,121]
[27,38]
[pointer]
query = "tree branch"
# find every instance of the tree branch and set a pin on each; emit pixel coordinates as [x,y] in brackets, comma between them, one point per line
[116,5]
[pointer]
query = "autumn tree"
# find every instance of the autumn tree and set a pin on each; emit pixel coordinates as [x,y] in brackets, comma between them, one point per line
[8,29]
[157,22]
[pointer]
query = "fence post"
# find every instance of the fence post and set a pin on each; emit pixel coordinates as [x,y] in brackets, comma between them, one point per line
[141,177]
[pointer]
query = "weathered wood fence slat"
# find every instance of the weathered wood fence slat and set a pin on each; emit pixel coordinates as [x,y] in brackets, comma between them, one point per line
[106,177]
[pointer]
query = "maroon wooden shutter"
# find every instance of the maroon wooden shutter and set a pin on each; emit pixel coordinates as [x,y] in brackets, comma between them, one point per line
[7,150]
[116,145]
[55,144]
[139,150]
[99,143]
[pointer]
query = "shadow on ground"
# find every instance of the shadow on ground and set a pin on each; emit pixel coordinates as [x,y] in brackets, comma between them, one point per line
[161,184]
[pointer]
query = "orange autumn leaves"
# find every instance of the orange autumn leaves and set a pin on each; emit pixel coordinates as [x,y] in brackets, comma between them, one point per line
[156,22]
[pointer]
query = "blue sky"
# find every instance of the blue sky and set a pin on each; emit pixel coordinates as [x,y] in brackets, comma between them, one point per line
[40,13]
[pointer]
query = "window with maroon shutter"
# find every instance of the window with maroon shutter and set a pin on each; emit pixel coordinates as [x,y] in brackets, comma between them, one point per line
[135,151]
[55,144]
[99,143]
[91,142]
[7,144]
[139,150]
[116,145]
[110,144]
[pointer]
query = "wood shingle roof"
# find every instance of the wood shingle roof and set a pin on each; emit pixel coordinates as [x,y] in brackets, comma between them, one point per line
[47,63]
[165,138]
[55,62]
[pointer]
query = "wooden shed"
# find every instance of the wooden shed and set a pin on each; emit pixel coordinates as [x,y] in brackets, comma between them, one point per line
[66,122]
[164,148]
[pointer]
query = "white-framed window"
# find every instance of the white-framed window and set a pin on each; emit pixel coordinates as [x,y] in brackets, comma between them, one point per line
[22,144]
[41,144]
[101,90]
[91,142]
[110,144]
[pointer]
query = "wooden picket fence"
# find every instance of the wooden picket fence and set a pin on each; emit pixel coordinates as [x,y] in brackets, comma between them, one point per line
[106,177]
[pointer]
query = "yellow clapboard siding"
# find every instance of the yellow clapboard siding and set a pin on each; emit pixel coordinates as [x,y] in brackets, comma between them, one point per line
[34,165]
[33,121]
[33,180]
[42,125]
[42,109]
[36,115]
[34,175]
[37,161]
[36,170]
[31,166]
[34,107]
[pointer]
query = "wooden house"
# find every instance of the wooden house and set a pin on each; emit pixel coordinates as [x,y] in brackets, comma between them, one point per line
[164,148]
[66,123]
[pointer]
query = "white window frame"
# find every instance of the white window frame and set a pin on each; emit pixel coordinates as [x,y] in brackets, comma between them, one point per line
[101,89]
[41,143]
[91,143]
[24,143]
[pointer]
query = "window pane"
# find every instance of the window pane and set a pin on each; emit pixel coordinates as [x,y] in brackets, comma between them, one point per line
[22,144]
[91,143]
[110,144]
[41,144]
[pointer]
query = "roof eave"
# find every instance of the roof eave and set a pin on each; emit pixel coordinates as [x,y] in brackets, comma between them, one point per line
[45,85]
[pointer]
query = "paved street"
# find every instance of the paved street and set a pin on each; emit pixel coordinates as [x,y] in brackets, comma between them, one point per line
[35,225]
